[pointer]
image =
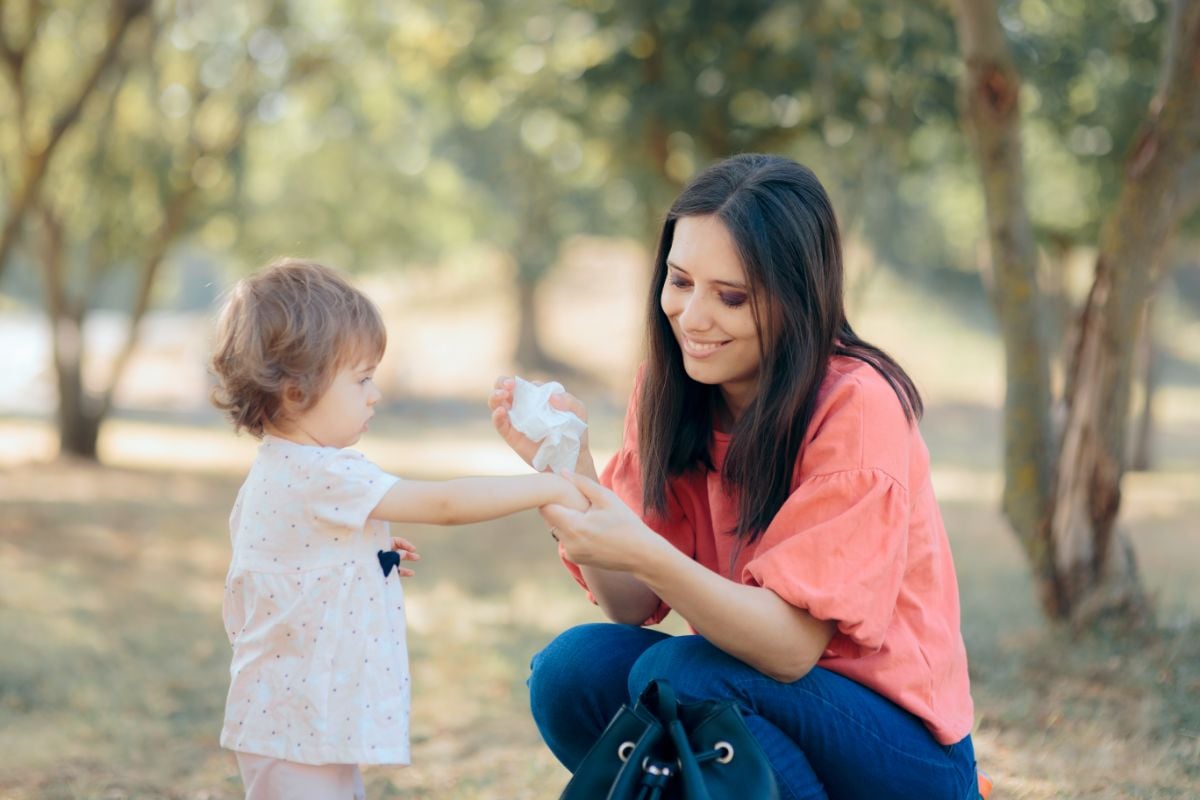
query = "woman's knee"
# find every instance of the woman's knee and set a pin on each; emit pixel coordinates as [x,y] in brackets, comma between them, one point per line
[694,667]
[560,664]
[591,655]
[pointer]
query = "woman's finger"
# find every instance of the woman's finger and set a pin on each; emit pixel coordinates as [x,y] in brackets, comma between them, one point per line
[560,517]
[565,401]
[596,494]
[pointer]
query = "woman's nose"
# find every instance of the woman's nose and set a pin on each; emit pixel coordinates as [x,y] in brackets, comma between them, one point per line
[695,315]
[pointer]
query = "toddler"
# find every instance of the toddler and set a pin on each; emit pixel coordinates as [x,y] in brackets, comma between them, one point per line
[319,677]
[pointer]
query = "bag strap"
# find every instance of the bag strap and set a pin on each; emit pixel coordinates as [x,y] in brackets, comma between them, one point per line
[659,699]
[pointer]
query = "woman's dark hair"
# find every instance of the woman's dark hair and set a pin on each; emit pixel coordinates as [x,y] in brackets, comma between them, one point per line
[785,231]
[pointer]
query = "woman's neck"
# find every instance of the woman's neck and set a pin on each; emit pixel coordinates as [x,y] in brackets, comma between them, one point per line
[734,400]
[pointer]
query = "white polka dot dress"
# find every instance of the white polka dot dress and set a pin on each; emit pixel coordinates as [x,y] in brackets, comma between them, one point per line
[320,666]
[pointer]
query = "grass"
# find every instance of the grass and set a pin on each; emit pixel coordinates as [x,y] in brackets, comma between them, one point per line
[114,662]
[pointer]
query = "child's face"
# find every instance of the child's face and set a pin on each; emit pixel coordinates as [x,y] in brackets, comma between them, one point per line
[340,417]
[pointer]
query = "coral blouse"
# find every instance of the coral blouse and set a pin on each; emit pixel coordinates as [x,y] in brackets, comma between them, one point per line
[859,542]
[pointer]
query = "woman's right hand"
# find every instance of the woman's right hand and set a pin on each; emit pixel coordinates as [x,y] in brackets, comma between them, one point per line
[501,400]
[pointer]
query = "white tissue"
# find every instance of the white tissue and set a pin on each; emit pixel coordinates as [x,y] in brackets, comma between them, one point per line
[558,431]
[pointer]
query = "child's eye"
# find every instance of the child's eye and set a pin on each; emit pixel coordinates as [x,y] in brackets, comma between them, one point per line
[366,379]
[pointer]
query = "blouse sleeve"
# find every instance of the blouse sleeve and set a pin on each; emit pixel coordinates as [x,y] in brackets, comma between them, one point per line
[347,489]
[623,475]
[838,548]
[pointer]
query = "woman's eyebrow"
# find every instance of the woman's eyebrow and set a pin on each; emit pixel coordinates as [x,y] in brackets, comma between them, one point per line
[730,284]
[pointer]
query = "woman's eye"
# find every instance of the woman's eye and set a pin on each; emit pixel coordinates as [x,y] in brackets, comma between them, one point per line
[679,283]
[733,300]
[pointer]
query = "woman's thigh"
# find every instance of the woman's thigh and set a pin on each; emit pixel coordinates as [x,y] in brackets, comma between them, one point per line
[858,743]
[577,684]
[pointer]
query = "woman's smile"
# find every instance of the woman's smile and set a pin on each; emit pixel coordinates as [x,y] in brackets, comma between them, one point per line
[700,349]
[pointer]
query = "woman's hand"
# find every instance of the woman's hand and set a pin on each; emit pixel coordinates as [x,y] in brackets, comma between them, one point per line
[500,402]
[607,535]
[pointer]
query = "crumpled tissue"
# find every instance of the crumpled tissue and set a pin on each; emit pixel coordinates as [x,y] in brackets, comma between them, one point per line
[558,431]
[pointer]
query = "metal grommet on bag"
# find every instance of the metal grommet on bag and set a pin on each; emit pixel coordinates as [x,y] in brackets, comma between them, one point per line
[726,751]
[624,750]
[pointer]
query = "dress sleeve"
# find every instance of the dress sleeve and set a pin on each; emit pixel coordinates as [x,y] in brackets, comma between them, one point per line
[838,549]
[347,488]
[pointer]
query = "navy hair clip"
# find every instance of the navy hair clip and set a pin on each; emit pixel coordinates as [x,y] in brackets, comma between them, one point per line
[389,560]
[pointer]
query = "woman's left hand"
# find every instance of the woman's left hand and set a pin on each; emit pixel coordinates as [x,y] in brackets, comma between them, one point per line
[608,535]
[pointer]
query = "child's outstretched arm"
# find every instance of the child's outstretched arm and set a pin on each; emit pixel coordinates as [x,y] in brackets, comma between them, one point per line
[463,500]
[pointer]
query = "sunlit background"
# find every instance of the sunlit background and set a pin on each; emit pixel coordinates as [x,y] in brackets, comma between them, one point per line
[493,175]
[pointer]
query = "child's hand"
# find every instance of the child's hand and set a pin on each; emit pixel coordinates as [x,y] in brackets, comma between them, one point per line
[571,497]
[408,552]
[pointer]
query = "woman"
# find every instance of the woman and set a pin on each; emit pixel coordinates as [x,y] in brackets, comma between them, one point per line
[773,488]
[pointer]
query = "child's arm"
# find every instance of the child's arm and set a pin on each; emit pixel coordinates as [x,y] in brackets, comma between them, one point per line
[463,500]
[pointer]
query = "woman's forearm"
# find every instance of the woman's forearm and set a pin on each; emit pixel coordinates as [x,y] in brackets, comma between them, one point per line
[750,623]
[621,596]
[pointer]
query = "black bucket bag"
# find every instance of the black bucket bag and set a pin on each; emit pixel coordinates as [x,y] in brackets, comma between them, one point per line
[661,749]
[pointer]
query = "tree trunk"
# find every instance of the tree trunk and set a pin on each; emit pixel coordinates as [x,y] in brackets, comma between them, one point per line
[529,352]
[1085,565]
[989,96]
[1142,459]
[1095,557]
[79,414]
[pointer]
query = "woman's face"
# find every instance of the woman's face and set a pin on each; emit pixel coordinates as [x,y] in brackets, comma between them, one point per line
[707,299]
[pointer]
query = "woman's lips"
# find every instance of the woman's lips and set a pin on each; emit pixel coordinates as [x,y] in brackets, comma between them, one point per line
[696,349]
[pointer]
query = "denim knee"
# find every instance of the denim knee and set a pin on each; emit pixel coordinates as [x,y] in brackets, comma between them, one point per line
[693,666]
[552,670]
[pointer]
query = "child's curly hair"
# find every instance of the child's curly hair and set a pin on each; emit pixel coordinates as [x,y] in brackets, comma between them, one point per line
[288,329]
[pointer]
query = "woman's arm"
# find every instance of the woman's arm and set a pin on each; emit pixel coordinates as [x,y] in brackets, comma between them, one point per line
[463,500]
[750,623]
[621,596]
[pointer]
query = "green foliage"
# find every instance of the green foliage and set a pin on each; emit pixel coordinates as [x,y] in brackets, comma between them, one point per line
[1090,70]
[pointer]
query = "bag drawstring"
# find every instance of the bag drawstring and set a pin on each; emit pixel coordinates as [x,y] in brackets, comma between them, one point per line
[656,775]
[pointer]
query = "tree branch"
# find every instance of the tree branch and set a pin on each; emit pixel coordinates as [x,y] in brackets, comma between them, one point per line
[173,222]
[36,163]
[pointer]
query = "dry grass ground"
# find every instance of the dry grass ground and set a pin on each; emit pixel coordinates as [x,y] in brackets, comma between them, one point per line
[113,667]
[113,662]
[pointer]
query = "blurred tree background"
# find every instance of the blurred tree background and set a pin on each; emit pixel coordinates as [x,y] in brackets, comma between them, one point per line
[1042,156]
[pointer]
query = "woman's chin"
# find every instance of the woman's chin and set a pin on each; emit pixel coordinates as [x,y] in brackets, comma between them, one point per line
[701,373]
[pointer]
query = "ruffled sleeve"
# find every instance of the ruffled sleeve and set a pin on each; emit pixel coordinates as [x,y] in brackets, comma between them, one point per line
[346,489]
[837,548]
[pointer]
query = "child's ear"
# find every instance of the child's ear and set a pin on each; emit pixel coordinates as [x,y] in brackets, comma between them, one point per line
[293,398]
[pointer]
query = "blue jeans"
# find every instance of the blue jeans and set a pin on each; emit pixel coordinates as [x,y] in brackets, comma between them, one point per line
[825,736]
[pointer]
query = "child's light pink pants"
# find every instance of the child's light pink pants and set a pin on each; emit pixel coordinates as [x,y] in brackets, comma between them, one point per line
[275,779]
